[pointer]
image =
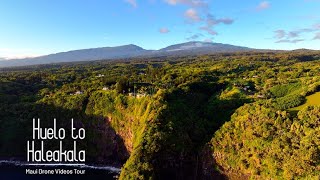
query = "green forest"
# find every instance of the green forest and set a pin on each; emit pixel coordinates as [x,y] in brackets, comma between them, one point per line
[248,115]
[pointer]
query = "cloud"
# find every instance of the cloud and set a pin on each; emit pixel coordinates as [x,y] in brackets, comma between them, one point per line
[164,30]
[192,15]
[279,34]
[211,21]
[290,41]
[317,36]
[208,40]
[7,53]
[198,13]
[194,37]
[317,26]
[296,33]
[196,8]
[192,3]
[133,3]
[263,5]
[209,30]
[291,36]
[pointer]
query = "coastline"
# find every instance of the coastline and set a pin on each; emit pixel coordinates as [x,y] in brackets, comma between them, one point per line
[86,166]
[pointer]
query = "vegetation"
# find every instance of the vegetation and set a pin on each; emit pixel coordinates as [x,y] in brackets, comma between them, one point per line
[265,143]
[189,117]
[313,99]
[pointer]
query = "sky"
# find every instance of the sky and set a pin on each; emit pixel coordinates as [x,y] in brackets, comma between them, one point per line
[38,27]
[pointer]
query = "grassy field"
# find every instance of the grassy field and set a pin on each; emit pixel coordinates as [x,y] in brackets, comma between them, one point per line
[313,99]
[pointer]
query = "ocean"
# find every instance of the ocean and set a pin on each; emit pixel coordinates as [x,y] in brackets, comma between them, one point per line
[12,170]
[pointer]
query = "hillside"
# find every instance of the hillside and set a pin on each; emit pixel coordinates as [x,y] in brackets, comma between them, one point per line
[80,55]
[203,47]
[123,52]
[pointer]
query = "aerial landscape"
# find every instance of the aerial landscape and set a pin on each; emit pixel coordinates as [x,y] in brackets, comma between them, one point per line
[160,89]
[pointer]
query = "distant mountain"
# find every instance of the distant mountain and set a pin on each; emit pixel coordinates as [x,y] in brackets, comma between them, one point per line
[126,51]
[303,50]
[203,47]
[79,55]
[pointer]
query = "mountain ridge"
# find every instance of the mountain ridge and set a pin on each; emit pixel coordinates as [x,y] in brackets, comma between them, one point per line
[125,51]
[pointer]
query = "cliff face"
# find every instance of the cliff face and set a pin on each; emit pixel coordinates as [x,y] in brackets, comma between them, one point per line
[107,147]
[169,144]
[208,167]
[165,135]
[125,116]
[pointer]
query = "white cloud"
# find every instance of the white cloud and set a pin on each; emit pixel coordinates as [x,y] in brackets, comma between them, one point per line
[192,3]
[133,3]
[198,12]
[172,2]
[164,30]
[294,41]
[7,53]
[263,5]
[317,36]
[192,15]
[208,40]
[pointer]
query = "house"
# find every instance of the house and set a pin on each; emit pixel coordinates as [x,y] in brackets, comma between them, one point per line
[78,92]
[105,88]
[100,75]
[260,96]
[139,95]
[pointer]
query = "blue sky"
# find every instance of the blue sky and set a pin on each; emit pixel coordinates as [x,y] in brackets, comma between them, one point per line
[38,27]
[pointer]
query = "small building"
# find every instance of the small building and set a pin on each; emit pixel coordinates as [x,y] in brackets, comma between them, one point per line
[105,88]
[100,75]
[260,96]
[139,95]
[78,92]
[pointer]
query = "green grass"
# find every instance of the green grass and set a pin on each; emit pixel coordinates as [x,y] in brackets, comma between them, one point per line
[313,99]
